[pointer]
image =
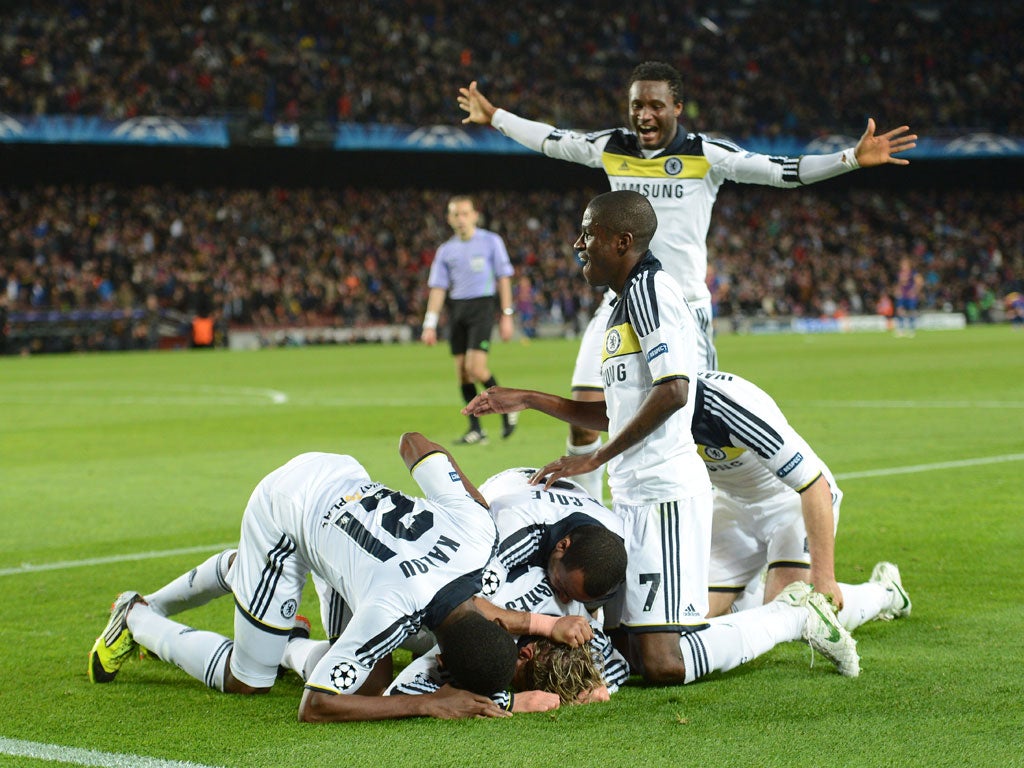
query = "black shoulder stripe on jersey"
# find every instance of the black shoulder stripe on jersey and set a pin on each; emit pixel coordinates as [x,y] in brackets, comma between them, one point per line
[418,685]
[791,170]
[643,298]
[622,142]
[685,144]
[721,418]
[519,547]
[724,144]
[383,643]
[559,133]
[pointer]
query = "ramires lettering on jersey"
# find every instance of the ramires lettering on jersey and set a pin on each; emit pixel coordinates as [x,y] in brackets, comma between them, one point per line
[540,593]
[431,559]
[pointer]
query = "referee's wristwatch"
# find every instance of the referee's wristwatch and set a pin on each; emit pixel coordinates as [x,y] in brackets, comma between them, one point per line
[508,311]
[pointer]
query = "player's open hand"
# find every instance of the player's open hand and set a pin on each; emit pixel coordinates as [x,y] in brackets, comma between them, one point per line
[450,703]
[567,466]
[479,108]
[574,631]
[876,150]
[496,400]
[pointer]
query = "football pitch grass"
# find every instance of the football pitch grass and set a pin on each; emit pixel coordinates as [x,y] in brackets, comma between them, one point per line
[121,471]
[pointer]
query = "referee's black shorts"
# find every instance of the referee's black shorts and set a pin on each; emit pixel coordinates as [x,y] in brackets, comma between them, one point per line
[471,321]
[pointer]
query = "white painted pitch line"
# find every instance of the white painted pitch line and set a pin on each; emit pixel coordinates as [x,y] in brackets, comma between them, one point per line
[168,394]
[65,564]
[56,753]
[931,467]
[921,404]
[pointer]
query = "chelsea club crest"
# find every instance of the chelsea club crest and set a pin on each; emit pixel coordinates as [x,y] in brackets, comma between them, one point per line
[612,341]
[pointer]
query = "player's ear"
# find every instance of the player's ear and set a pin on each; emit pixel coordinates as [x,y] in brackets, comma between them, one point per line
[563,544]
[440,660]
[527,651]
[625,241]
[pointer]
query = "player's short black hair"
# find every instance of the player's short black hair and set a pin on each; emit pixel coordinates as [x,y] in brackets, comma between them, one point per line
[659,72]
[479,655]
[624,210]
[600,554]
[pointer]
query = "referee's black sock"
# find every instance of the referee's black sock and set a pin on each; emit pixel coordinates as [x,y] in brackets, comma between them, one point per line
[493,382]
[468,393]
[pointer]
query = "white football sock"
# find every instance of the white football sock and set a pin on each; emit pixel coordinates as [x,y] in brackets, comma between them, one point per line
[203,655]
[593,481]
[199,586]
[862,603]
[737,638]
[301,655]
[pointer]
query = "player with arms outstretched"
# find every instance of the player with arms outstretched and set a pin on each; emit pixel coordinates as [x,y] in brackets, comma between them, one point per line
[680,173]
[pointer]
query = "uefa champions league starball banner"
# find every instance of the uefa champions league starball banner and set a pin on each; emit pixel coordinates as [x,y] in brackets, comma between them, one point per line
[216,132]
[66,129]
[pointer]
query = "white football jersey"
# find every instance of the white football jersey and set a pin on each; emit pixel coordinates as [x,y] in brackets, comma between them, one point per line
[751,451]
[398,562]
[681,181]
[651,338]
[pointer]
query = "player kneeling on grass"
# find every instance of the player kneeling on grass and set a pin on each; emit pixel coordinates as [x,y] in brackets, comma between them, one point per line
[321,514]
[558,552]
[776,508]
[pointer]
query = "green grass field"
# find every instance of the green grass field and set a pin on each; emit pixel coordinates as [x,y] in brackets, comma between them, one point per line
[119,460]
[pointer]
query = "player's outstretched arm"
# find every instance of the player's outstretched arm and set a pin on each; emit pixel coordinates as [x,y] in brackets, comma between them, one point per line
[413,446]
[479,109]
[591,415]
[447,703]
[661,402]
[878,150]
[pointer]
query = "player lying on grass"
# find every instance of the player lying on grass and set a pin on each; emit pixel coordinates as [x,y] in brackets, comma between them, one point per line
[558,552]
[398,562]
[776,506]
[543,543]
[529,521]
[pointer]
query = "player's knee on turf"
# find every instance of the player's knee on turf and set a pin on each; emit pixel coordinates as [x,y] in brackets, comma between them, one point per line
[661,659]
[233,685]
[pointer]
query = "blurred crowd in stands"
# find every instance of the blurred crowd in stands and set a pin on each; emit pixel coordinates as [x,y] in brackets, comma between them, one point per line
[751,67]
[359,258]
